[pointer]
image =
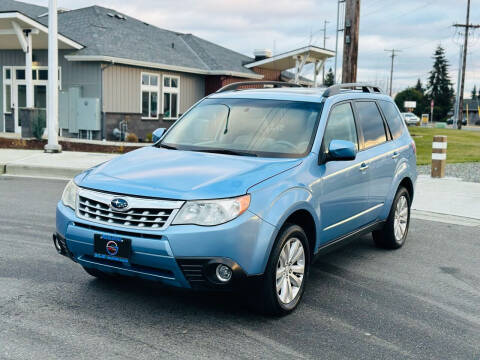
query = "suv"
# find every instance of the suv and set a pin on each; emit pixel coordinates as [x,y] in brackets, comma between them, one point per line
[247,187]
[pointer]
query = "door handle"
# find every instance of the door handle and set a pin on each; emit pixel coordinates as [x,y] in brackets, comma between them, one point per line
[395,155]
[363,167]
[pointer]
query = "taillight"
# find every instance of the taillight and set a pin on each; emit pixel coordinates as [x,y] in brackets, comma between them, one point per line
[414,147]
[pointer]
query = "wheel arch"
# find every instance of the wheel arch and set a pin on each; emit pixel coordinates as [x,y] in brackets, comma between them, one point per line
[305,220]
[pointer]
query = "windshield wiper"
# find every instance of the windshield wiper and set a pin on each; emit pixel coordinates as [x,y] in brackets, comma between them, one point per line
[226,151]
[167,146]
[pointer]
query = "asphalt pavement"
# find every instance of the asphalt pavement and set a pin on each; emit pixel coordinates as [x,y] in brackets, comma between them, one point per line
[419,302]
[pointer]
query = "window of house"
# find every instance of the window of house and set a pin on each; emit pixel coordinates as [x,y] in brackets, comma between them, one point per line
[171,90]
[20,74]
[150,95]
[7,90]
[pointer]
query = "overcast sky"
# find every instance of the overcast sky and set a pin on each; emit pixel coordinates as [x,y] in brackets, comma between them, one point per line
[414,26]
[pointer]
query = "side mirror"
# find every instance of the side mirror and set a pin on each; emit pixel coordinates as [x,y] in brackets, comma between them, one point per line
[340,150]
[157,134]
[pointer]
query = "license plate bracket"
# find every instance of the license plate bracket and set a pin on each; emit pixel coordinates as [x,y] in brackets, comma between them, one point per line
[112,247]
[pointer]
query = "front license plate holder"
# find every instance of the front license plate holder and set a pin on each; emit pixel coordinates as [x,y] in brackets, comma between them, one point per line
[111,247]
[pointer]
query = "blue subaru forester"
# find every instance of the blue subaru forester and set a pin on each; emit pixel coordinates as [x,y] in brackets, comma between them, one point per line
[247,187]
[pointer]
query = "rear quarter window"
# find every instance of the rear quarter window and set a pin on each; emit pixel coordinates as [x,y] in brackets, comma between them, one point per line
[393,117]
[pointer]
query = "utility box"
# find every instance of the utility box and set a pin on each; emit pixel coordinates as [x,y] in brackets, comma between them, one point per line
[77,113]
[88,114]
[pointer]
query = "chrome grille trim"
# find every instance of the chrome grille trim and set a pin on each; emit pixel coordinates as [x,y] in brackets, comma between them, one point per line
[141,213]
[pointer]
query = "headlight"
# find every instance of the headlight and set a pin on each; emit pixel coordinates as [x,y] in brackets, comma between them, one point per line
[69,197]
[211,212]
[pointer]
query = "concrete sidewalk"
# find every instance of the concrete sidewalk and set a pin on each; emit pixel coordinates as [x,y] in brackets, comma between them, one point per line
[446,200]
[435,198]
[38,163]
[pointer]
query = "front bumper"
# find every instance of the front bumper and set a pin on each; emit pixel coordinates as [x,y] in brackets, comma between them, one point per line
[181,255]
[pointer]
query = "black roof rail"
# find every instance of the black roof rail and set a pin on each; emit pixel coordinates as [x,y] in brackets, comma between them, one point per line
[339,88]
[274,84]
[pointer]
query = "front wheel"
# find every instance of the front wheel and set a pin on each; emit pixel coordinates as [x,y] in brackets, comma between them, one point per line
[395,230]
[286,273]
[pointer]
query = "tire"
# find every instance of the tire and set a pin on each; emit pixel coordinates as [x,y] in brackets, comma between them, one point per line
[286,299]
[395,231]
[97,273]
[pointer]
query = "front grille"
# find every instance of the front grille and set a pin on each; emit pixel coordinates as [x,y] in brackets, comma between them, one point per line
[140,213]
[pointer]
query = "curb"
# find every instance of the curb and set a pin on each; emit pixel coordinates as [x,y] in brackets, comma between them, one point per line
[39,171]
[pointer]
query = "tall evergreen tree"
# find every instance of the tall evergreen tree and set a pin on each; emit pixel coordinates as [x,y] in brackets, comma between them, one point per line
[419,86]
[329,79]
[474,93]
[439,87]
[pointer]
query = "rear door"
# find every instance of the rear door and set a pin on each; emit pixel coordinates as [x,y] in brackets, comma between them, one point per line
[376,149]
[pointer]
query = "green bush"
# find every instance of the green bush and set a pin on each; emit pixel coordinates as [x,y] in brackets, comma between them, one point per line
[38,125]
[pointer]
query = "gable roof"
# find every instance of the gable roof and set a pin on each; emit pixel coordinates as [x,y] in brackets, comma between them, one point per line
[108,35]
[32,11]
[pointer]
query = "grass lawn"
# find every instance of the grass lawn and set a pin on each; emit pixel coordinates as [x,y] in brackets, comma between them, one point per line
[463,145]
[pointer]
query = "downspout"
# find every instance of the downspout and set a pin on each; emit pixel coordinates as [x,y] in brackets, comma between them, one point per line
[103,67]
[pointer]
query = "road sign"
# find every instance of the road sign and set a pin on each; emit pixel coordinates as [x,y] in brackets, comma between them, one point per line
[410,104]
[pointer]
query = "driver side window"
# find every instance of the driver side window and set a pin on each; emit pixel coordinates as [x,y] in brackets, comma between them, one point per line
[340,125]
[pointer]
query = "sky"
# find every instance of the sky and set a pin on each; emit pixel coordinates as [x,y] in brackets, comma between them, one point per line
[415,27]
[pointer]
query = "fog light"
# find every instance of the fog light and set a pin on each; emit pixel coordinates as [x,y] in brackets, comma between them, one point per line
[224,273]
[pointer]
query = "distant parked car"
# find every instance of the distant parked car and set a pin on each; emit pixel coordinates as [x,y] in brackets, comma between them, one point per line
[450,121]
[411,118]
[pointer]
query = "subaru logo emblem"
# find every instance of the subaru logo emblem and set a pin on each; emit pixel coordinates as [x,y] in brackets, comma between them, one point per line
[112,248]
[119,204]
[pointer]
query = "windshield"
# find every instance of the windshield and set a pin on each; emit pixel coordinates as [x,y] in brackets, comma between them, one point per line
[269,128]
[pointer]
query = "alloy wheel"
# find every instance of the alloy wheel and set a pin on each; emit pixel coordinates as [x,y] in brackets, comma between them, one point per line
[401,219]
[290,270]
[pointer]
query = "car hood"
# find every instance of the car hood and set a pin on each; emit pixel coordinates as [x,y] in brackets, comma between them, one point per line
[182,175]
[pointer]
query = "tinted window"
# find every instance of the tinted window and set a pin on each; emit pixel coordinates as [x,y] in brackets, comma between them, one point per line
[394,120]
[371,123]
[341,125]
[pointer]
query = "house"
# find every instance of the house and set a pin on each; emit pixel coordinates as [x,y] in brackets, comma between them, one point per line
[472,106]
[119,73]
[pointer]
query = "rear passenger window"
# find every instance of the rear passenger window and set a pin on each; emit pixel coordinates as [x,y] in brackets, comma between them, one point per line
[341,125]
[394,120]
[371,123]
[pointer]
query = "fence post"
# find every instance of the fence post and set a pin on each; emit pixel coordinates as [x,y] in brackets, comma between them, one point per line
[439,156]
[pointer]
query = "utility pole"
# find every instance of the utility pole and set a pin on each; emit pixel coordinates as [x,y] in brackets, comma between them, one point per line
[337,30]
[52,96]
[467,26]
[457,95]
[350,41]
[324,46]
[391,68]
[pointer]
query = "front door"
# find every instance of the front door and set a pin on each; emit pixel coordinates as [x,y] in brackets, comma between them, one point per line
[344,194]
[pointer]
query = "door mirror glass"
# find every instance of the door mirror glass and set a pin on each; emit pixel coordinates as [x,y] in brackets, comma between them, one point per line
[340,150]
[157,134]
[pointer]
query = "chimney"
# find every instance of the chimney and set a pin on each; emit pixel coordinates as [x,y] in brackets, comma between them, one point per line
[261,54]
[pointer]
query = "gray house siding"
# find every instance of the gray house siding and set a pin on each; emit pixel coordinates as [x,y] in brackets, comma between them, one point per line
[122,84]
[122,98]
[85,75]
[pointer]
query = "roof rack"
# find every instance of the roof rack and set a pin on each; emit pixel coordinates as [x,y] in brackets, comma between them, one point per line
[339,88]
[273,84]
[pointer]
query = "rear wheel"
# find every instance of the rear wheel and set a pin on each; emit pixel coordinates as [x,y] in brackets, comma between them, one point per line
[284,280]
[395,230]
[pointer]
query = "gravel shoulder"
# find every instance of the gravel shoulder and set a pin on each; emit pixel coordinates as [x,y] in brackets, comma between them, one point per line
[465,171]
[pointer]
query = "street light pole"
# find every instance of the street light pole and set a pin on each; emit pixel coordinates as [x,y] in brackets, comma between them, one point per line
[52,96]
